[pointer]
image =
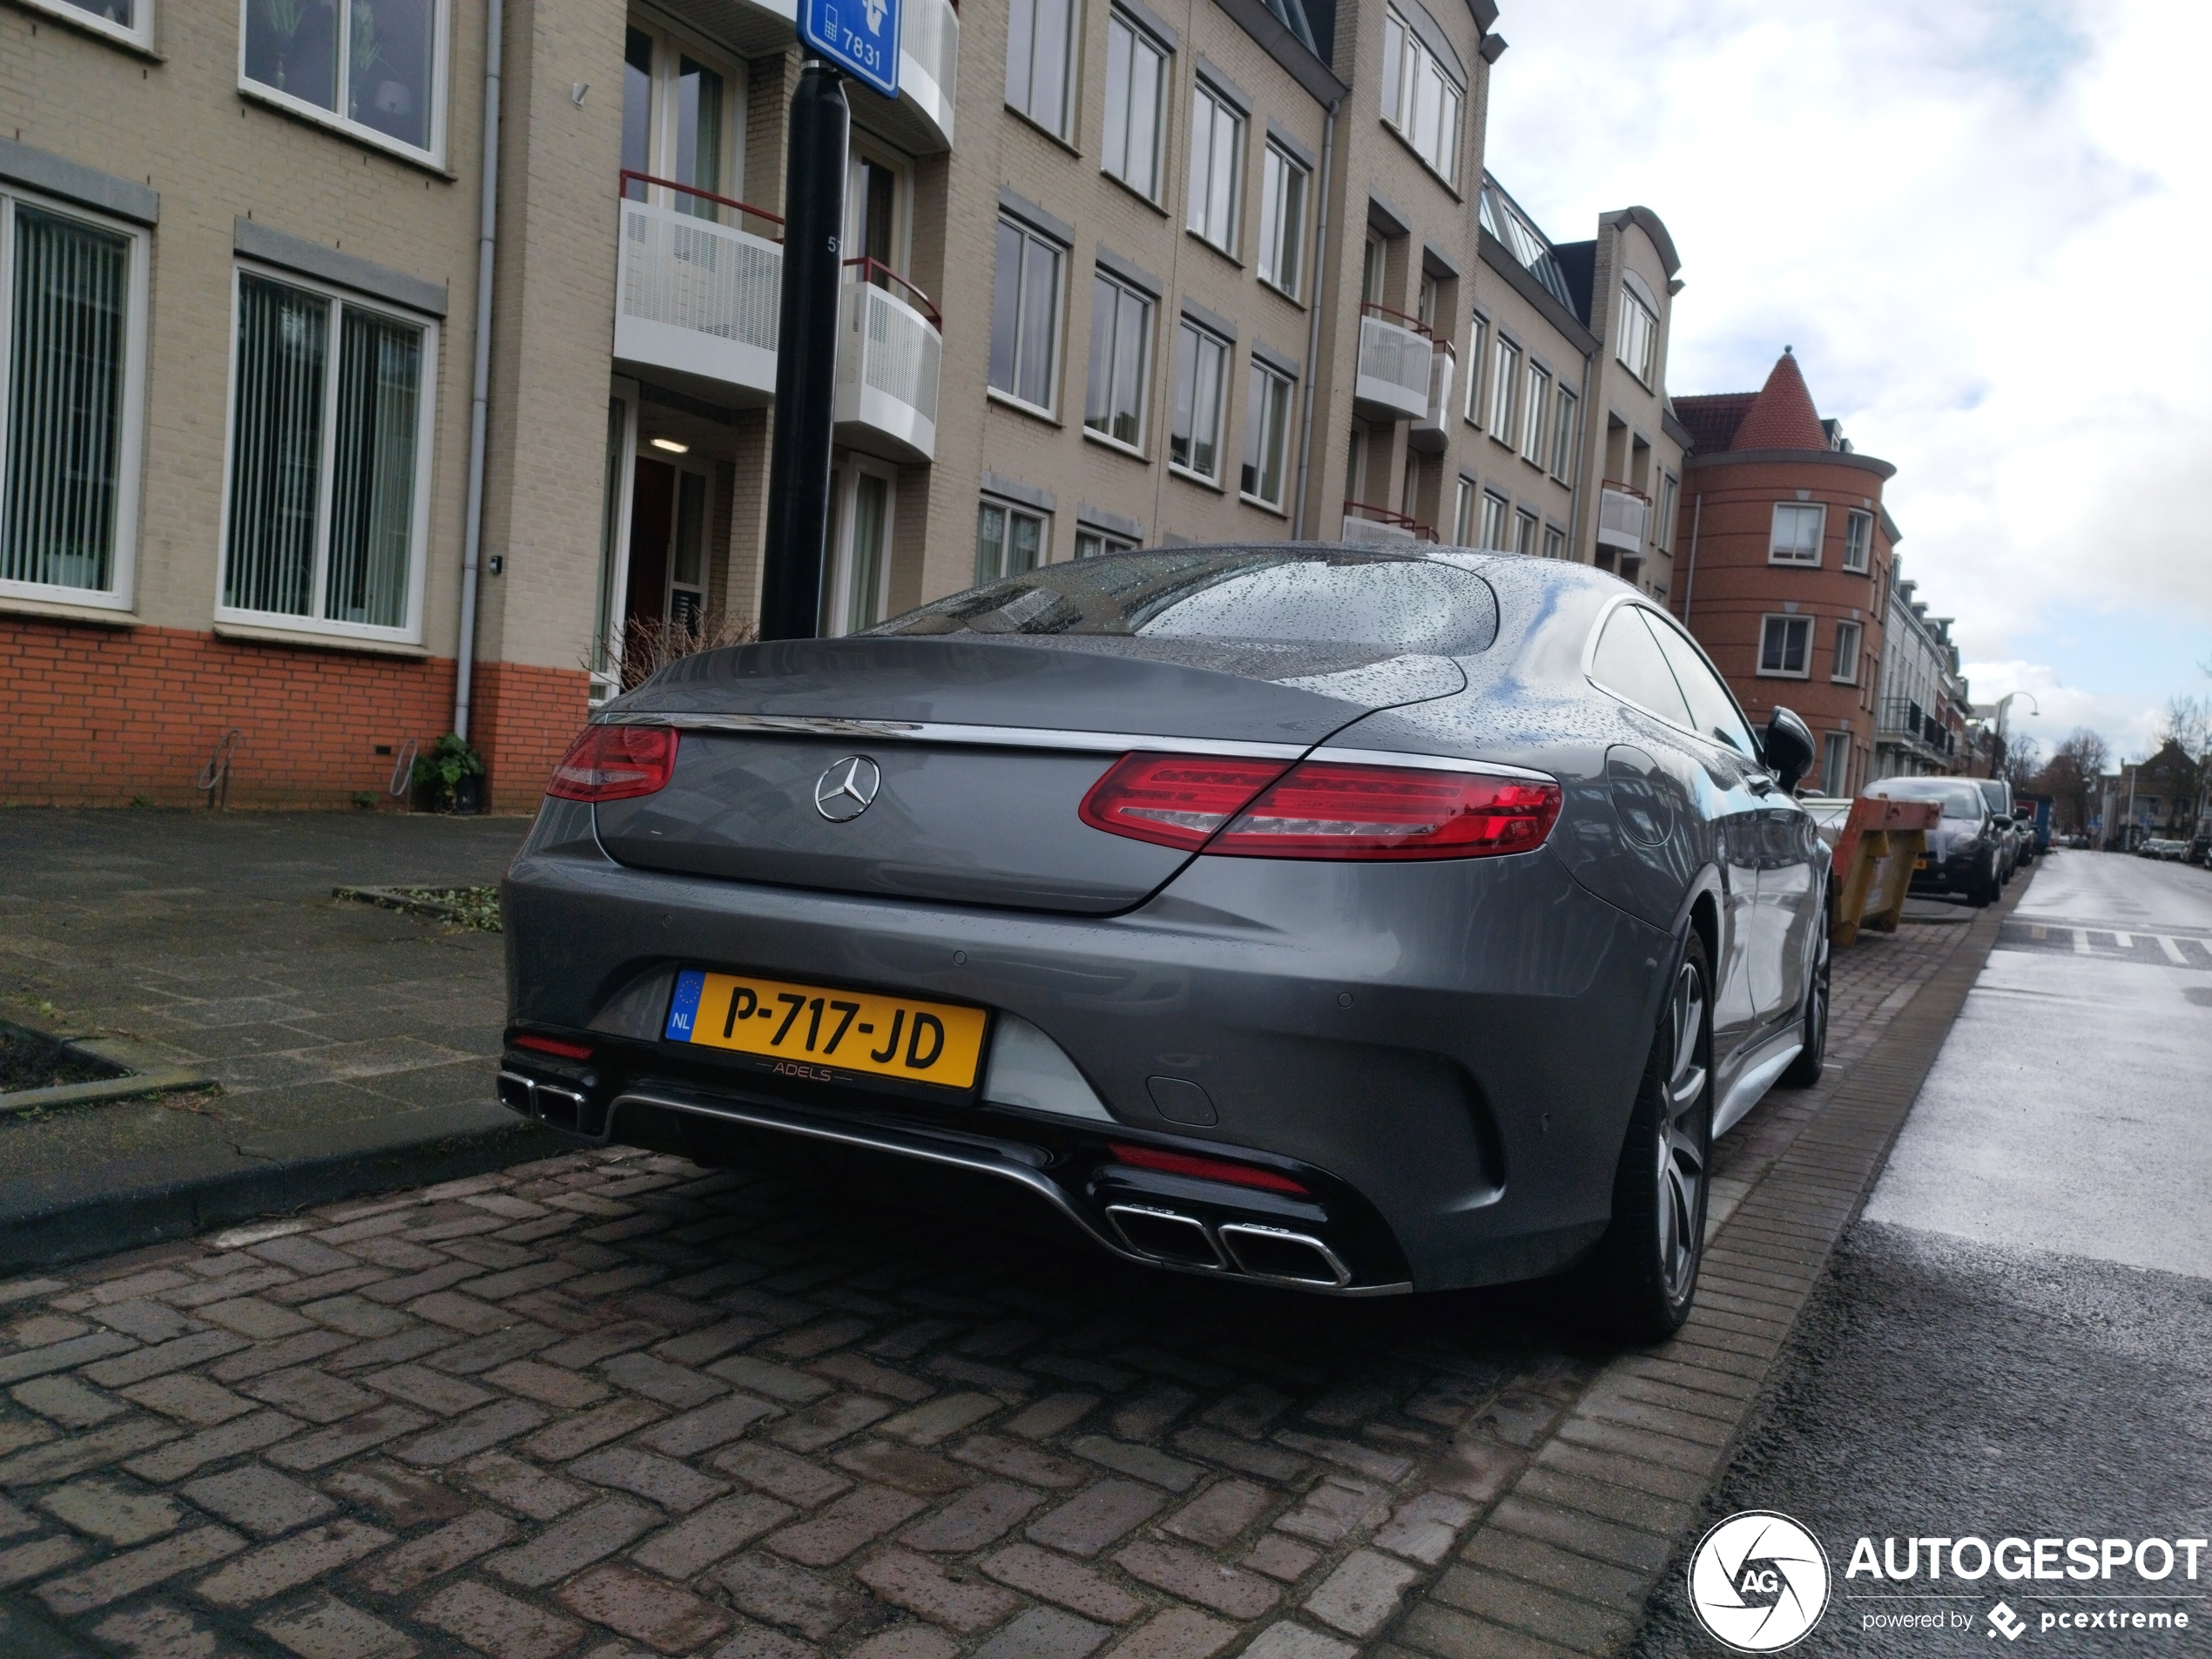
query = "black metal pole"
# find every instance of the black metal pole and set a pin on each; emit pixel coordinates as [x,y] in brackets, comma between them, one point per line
[798,458]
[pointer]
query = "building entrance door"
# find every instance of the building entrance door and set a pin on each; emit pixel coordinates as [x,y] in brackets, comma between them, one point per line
[666,589]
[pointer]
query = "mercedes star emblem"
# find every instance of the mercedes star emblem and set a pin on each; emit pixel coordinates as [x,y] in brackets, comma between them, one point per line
[843,793]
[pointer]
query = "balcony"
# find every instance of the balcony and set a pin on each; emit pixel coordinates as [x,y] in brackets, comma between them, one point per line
[1396,361]
[929,61]
[697,301]
[1623,516]
[1365,521]
[1432,429]
[888,352]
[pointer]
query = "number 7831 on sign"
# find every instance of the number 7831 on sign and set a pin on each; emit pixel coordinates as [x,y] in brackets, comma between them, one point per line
[934,1042]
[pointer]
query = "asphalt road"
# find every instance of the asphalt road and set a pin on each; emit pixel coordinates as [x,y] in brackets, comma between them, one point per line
[2016,1339]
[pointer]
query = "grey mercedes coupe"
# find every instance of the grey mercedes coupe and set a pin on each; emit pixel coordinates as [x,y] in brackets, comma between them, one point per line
[1352,919]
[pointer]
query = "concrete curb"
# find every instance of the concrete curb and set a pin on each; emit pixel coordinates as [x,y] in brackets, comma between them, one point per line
[140,1072]
[1565,1561]
[156,1200]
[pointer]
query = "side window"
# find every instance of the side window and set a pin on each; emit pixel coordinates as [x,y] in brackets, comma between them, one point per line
[1713,711]
[1628,663]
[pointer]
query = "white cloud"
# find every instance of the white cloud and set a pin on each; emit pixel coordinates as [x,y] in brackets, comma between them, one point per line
[1981,225]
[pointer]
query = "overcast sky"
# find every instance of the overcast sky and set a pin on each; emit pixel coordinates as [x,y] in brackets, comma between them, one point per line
[1983,227]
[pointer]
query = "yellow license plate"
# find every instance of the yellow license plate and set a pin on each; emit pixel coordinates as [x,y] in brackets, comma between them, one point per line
[1920,864]
[815,1031]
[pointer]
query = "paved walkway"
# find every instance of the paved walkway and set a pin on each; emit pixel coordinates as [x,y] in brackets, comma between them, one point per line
[607,1403]
[335,1029]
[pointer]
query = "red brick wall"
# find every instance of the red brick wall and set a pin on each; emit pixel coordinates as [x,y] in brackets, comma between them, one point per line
[102,716]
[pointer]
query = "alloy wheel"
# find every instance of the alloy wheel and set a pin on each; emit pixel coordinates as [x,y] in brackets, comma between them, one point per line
[1682,1138]
[1816,1015]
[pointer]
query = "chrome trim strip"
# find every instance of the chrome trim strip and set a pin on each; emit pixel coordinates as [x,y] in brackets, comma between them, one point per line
[1430,763]
[988,736]
[982,1161]
[1768,1061]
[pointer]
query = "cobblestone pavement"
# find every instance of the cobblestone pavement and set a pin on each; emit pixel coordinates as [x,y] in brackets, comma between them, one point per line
[610,1404]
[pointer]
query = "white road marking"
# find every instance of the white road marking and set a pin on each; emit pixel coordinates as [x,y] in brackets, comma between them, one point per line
[2125,942]
[2173,951]
[2080,941]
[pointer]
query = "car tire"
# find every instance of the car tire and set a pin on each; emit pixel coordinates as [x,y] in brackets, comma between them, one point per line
[1804,1071]
[1986,885]
[1642,1277]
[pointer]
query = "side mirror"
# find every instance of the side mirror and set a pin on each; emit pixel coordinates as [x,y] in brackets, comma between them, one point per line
[1788,747]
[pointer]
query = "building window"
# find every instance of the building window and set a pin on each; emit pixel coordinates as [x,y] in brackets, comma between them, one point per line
[1478,340]
[1494,514]
[1563,409]
[1858,540]
[1798,528]
[1463,514]
[1282,220]
[1847,639]
[859,587]
[1554,543]
[1524,533]
[1121,338]
[1639,337]
[1422,98]
[1008,540]
[1025,316]
[129,21]
[1201,381]
[1785,646]
[1662,531]
[1532,426]
[74,293]
[330,435]
[1136,74]
[1216,156]
[375,67]
[1267,435]
[1040,35]
[1835,764]
[1505,386]
[1090,544]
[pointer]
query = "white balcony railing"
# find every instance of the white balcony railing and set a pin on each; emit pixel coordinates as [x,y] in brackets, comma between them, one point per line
[1365,522]
[929,59]
[1623,516]
[1394,365]
[1432,428]
[698,298]
[888,354]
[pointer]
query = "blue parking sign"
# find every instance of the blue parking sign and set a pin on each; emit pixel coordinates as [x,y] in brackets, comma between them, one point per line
[860,37]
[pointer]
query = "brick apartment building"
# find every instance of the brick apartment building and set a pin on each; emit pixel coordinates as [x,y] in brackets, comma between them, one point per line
[1122,272]
[1789,565]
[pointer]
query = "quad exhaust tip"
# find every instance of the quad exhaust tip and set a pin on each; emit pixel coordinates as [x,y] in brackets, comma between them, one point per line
[555,1107]
[1245,1247]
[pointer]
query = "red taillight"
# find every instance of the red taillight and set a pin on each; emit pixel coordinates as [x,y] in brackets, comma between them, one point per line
[1236,1174]
[615,763]
[1320,809]
[1176,800]
[553,1046]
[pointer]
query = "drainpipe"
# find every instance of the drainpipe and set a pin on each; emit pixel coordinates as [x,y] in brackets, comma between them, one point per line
[1313,327]
[487,244]
[1689,583]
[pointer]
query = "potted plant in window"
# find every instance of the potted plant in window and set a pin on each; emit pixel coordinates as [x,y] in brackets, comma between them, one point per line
[449,777]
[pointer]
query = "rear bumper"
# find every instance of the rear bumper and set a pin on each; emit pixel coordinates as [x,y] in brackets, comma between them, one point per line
[1445,1055]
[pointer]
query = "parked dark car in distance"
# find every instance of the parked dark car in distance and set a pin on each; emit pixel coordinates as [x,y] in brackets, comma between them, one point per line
[1966,853]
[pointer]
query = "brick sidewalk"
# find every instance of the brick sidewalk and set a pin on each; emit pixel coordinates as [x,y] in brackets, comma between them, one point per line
[609,1404]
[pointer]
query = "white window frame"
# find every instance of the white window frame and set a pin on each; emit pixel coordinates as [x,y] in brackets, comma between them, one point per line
[1150,308]
[839,598]
[1478,360]
[1855,633]
[409,632]
[1505,392]
[1406,56]
[1164,79]
[1202,334]
[664,127]
[1053,329]
[1634,312]
[1555,541]
[1835,759]
[130,445]
[337,120]
[1567,410]
[1662,531]
[139,34]
[1198,205]
[1092,543]
[1858,540]
[1766,627]
[1282,267]
[1463,516]
[1061,123]
[1255,408]
[1014,509]
[1533,432]
[1497,518]
[1526,526]
[1776,551]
